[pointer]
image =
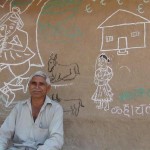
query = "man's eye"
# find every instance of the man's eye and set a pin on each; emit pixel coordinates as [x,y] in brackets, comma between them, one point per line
[33,83]
[41,84]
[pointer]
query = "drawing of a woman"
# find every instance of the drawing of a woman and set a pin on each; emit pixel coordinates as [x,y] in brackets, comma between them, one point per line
[103,74]
[14,52]
[13,41]
[19,52]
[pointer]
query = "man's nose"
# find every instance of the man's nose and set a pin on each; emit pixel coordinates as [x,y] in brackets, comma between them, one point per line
[37,85]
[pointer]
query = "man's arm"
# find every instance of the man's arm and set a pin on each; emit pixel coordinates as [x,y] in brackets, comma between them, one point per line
[56,133]
[7,129]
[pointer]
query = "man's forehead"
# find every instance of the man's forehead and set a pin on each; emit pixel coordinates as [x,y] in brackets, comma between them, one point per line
[37,77]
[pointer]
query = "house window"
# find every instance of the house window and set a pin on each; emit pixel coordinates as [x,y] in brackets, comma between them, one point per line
[134,34]
[109,38]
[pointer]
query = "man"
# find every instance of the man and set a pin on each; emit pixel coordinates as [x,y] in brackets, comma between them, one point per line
[36,123]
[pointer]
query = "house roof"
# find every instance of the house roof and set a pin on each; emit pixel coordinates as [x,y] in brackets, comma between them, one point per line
[123,17]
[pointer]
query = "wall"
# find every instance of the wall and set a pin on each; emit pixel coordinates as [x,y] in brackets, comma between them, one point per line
[96,53]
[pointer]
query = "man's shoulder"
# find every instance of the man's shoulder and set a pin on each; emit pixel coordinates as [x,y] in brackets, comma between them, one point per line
[54,103]
[21,103]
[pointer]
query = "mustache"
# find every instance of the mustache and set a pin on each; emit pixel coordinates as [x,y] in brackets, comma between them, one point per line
[35,90]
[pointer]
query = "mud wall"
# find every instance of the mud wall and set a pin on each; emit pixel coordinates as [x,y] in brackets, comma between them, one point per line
[96,53]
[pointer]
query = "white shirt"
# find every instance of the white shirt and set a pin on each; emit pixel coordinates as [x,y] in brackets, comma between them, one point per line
[46,133]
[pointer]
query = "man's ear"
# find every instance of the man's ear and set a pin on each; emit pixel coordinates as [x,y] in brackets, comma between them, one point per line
[48,88]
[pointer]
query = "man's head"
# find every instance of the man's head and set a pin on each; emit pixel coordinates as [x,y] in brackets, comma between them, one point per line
[41,74]
[39,84]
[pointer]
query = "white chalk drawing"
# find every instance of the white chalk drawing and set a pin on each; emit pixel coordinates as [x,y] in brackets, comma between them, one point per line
[58,72]
[120,2]
[146,1]
[3,111]
[130,110]
[15,51]
[60,85]
[103,2]
[103,74]
[127,68]
[121,34]
[70,106]
[88,8]
[140,9]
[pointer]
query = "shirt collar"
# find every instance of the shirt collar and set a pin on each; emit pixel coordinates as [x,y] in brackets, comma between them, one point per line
[47,101]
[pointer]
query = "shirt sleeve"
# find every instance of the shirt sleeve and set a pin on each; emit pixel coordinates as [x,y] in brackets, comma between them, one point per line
[56,133]
[7,129]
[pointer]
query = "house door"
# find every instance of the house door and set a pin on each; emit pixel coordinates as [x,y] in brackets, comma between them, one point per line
[122,46]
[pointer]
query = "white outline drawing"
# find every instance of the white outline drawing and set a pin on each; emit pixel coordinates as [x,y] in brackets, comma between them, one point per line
[120,2]
[103,74]
[140,9]
[127,68]
[123,34]
[88,9]
[102,2]
[61,85]
[146,1]
[15,51]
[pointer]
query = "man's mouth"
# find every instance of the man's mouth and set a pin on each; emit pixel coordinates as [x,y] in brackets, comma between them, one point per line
[36,91]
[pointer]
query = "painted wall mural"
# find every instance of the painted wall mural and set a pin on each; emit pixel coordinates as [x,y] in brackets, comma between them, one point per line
[139,8]
[103,74]
[20,52]
[121,36]
[15,51]
[59,72]
[71,106]
[64,73]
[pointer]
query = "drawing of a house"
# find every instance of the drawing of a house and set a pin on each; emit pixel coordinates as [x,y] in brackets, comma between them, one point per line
[123,30]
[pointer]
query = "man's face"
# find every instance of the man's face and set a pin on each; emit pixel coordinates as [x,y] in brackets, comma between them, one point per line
[38,87]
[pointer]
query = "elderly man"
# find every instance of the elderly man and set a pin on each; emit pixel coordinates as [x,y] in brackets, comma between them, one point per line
[36,123]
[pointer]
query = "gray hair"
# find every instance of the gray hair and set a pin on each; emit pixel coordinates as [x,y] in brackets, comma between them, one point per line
[41,74]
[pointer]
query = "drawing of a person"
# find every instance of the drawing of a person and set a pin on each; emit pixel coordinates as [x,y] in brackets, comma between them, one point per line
[103,74]
[14,41]
[14,52]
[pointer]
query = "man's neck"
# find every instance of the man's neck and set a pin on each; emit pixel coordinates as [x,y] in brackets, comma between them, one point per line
[37,102]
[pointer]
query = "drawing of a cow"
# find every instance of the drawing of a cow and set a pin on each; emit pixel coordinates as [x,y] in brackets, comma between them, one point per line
[60,72]
[70,105]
